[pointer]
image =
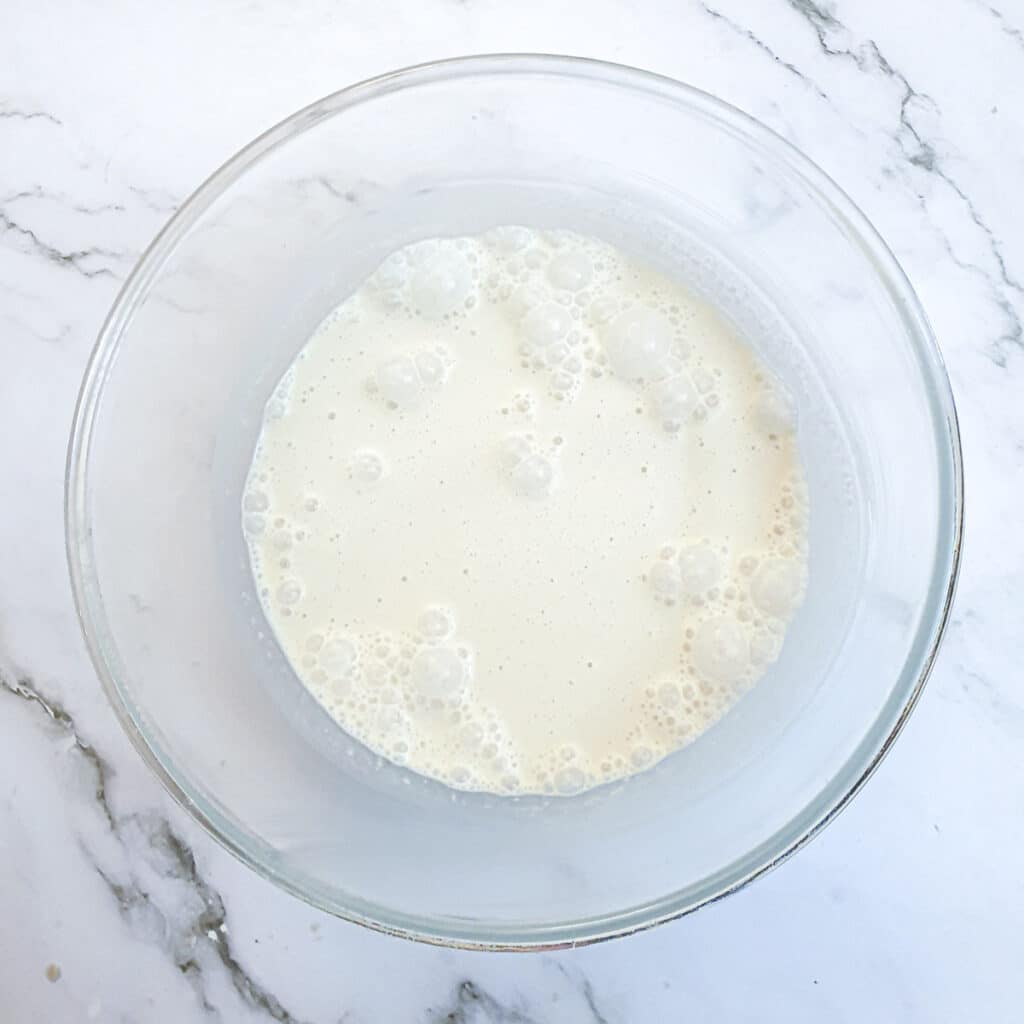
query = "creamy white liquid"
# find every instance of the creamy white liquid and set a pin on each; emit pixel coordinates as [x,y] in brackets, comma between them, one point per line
[525,515]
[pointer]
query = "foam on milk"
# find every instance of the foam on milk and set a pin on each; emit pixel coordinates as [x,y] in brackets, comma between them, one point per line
[525,515]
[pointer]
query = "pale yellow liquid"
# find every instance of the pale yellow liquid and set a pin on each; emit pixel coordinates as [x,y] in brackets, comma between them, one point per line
[567,460]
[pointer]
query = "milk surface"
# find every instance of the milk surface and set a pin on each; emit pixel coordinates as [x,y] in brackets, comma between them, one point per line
[525,515]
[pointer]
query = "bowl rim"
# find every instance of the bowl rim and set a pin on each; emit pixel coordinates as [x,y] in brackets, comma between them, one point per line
[818,812]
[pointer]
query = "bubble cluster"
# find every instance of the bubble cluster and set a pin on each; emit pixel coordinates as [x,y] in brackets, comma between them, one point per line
[405,692]
[776,587]
[405,381]
[673,401]
[733,608]
[529,470]
[700,568]
[399,382]
[433,279]
[438,673]
[440,287]
[509,239]
[721,650]
[255,504]
[665,580]
[570,271]
[691,573]
[579,323]
[574,323]
[638,343]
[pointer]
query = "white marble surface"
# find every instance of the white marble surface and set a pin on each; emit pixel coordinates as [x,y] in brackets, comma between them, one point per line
[910,907]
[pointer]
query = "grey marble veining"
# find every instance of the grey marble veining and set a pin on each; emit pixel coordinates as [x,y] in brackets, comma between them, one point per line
[117,907]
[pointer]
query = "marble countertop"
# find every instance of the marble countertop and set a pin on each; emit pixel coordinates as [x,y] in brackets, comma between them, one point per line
[117,907]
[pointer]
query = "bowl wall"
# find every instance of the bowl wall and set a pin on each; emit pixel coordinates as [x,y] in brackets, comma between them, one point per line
[220,304]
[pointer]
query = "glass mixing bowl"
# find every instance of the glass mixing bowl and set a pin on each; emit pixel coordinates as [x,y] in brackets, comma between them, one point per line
[232,288]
